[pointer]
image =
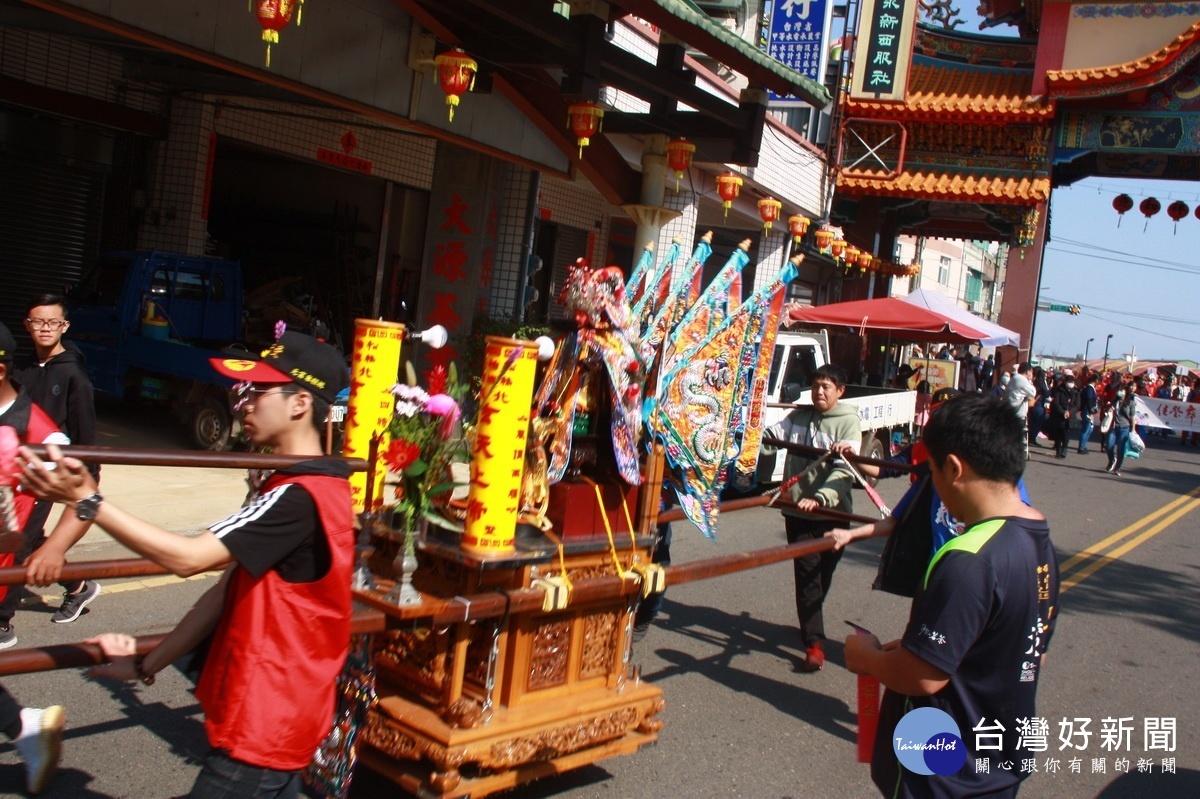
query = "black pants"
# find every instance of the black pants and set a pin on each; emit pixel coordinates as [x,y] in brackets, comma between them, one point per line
[814,573]
[10,713]
[34,537]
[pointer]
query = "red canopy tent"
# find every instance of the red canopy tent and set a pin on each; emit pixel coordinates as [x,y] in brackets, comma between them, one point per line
[901,319]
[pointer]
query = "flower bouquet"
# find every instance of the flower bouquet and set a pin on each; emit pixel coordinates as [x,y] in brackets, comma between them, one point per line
[423,442]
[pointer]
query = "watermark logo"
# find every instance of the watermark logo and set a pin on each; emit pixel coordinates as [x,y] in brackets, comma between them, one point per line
[927,741]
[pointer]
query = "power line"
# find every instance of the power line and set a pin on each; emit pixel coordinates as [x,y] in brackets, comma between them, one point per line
[1094,257]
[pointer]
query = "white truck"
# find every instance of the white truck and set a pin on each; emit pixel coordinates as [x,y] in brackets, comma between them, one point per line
[882,412]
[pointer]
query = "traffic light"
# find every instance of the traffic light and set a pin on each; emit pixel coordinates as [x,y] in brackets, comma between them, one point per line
[1074,310]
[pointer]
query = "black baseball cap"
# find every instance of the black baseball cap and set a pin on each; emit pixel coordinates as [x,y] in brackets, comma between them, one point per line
[8,345]
[294,358]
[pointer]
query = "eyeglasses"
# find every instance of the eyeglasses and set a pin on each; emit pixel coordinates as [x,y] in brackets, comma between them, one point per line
[245,395]
[46,324]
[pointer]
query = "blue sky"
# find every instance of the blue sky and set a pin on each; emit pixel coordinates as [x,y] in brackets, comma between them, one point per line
[1139,281]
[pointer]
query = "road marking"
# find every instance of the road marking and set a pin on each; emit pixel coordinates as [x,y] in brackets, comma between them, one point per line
[1170,513]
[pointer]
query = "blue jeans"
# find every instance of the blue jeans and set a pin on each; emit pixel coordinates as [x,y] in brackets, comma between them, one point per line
[648,609]
[1118,439]
[1085,432]
[222,777]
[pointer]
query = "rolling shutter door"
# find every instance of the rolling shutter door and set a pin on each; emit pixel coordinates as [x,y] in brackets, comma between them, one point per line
[571,244]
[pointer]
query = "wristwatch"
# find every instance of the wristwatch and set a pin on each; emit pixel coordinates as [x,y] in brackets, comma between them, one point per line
[87,508]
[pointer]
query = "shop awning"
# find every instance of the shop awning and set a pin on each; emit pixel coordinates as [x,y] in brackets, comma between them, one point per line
[939,303]
[901,319]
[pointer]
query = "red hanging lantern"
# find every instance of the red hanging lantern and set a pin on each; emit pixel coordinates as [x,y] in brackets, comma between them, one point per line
[1149,207]
[729,186]
[456,75]
[273,16]
[768,209]
[850,257]
[1177,210]
[823,238]
[864,261]
[585,120]
[1121,204]
[837,247]
[798,226]
[679,157]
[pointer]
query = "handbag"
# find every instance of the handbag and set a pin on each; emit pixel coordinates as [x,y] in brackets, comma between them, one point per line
[1106,419]
[1135,442]
[905,557]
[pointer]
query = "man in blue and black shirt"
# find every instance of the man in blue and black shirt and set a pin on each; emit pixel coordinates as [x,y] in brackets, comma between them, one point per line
[981,620]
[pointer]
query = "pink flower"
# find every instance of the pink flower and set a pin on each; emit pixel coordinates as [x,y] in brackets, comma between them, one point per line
[443,405]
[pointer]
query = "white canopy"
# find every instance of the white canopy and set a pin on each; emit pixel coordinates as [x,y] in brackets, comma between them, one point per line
[997,336]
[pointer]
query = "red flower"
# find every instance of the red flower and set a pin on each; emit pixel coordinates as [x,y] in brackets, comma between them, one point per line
[436,380]
[401,454]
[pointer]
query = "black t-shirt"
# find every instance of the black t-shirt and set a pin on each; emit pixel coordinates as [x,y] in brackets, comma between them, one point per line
[984,615]
[280,529]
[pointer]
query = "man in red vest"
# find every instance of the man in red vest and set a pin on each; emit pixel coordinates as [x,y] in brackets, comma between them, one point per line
[278,622]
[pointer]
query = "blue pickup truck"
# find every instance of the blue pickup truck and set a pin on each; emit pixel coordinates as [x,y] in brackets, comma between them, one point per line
[148,322]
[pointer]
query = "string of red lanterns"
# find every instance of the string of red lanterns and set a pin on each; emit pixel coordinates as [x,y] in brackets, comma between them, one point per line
[1149,207]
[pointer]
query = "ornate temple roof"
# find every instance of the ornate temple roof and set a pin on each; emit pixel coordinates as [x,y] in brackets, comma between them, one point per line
[964,94]
[1118,78]
[1022,190]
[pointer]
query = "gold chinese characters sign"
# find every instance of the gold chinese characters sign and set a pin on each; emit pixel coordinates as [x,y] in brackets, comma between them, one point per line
[498,455]
[883,53]
[373,370]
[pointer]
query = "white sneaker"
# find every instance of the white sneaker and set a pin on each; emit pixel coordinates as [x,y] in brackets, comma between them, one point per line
[40,744]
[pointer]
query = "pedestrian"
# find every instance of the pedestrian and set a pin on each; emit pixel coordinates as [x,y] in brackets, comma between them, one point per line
[986,371]
[32,426]
[650,606]
[824,424]
[1193,395]
[278,622]
[997,391]
[58,384]
[1038,411]
[1021,395]
[1064,403]
[36,734]
[1124,418]
[981,620]
[1089,406]
[1166,391]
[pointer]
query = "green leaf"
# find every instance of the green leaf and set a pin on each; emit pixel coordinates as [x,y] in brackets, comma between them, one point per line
[442,521]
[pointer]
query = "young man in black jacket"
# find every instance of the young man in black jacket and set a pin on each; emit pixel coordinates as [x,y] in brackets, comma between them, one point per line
[59,385]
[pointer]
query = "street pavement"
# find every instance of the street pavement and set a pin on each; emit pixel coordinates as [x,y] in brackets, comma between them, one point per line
[740,719]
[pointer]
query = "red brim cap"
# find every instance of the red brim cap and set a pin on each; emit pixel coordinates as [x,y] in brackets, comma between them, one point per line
[246,371]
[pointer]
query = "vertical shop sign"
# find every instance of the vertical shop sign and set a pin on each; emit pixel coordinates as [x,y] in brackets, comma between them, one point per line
[794,33]
[883,52]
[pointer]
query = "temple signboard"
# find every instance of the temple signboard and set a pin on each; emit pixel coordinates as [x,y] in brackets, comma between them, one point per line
[883,52]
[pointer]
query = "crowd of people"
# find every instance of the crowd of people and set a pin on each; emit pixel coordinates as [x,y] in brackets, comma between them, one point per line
[285,598]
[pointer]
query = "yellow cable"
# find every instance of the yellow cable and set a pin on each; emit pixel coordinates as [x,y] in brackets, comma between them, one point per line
[562,559]
[612,545]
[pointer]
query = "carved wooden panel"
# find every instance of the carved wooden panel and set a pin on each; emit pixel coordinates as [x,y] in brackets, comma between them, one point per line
[415,654]
[477,656]
[550,655]
[559,741]
[599,644]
